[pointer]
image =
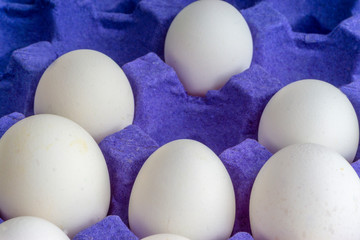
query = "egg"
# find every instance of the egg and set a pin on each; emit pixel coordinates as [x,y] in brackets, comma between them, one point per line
[206,44]
[183,188]
[30,228]
[50,167]
[89,88]
[165,236]
[306,191]
[310,111]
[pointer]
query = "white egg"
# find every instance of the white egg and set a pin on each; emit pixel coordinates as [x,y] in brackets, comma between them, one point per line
[310,111]
[30,228]
[89,88]
[52,168]
[165,236]
[183,188]
[206,44]
[306,191]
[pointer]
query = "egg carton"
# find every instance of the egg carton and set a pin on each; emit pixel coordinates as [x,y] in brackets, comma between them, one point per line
[321,41]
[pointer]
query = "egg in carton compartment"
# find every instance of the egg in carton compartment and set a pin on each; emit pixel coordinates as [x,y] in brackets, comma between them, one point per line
[321,41]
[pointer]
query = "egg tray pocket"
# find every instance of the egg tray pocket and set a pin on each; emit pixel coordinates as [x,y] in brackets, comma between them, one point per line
[321,41]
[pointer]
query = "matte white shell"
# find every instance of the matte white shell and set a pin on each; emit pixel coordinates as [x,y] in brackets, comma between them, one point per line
[52,168]
[183,188]
[310,111]
[306,191]
[89,88]
[206,44]
[30,228]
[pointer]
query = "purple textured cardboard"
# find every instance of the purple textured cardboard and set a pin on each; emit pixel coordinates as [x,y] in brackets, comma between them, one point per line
[22,24]
[125,30]
[315,16]
[132,32]
[356,166]
[122,29]
[241,236]
[110,228]
[17,88]
[291,56]
[125,152]
[243,163]
[220,120]
[7,121]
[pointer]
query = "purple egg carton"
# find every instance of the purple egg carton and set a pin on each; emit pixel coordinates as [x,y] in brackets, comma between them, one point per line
[321,41]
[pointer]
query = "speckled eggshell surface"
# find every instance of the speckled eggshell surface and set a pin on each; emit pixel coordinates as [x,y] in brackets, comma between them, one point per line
[30,228]
[306,191]
[52,168]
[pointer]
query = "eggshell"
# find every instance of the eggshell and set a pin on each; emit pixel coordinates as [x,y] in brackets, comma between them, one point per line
[165,236]
[206,44]
[89,88]
[52,168]
[306,191]
[183,188]
[30,228]
[310,111]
